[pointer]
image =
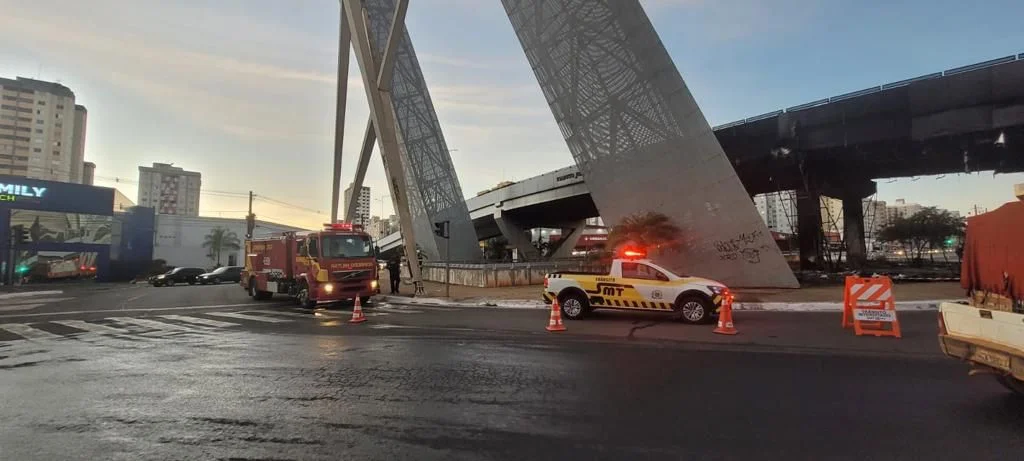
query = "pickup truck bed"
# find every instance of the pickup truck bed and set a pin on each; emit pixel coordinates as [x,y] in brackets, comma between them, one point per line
[991,340]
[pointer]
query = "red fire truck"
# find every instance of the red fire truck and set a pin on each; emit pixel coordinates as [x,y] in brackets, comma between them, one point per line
[337,263]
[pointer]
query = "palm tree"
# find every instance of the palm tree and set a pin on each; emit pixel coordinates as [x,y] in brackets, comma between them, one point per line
[649,230]
[220,239]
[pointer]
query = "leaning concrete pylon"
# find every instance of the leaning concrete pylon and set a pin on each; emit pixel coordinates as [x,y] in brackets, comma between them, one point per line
[639,138]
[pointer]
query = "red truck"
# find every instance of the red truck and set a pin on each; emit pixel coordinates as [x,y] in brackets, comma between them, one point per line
[337,263]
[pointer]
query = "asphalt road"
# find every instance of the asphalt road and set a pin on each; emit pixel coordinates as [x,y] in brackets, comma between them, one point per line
[142,373]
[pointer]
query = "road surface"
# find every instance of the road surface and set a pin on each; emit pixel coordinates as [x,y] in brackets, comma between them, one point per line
[205,373]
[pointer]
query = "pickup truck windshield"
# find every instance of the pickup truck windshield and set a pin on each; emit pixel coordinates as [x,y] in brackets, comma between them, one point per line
[346,246]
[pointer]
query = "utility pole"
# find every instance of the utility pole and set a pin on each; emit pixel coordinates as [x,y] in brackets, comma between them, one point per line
[250,219]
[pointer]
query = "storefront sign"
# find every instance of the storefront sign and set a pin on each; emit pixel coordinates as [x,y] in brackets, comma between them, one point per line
[11,192]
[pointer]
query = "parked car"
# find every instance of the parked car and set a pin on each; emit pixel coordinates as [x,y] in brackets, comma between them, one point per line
[221,274]
[178,275]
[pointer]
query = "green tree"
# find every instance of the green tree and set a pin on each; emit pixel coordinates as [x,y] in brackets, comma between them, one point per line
[495,248]
[928,229]
[649,230]
[220,239]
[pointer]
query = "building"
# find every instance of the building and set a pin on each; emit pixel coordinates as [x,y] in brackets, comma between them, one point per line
[88,173]
[73,227]
[122,202]
[902,209]
[778,210]
[832,217]
[169,189]
[78,145]
[179,239]
[379,227]
[42,132]
[362,206]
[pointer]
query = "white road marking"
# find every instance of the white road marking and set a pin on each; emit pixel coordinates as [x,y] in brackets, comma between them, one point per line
[200,321]
[235,315]
[19,307]
[130,309]
[153,324]
[91,327]
[27,332]
[307,315]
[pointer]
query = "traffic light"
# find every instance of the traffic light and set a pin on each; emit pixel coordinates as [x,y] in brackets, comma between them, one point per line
[19,234]
[441,229]
[950,242]
[22,269]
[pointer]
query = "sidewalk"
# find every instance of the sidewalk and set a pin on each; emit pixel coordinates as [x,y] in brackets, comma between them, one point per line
[909,296]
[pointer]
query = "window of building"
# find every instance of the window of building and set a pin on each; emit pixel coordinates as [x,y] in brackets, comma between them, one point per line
[39,131]
[39,122]
[60,107]
[58,125]
[38,112]
[57,115]
[41,103]
[37,149]
[56,153]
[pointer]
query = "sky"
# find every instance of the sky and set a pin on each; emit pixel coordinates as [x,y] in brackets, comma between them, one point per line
[243,91]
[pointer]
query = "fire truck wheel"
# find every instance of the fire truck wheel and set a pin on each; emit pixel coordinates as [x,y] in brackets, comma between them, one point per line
[303,298]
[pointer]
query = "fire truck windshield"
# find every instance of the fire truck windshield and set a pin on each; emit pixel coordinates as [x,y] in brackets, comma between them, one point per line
[346,246]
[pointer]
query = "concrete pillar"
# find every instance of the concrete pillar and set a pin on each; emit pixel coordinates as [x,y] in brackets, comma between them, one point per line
[516,236]
[853,221]
[570,236]
[808,210]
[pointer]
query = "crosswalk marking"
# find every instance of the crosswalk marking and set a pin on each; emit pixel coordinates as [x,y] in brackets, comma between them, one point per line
[153,324]
[27,332]
[91,327]
[286,314]
[256,318]
[200,321]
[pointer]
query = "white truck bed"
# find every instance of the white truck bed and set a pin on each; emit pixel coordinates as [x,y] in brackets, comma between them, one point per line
[986,337]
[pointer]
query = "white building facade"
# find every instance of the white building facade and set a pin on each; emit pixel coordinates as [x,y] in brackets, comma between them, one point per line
[179,239]
[42,131]
[362,206]
[169,189]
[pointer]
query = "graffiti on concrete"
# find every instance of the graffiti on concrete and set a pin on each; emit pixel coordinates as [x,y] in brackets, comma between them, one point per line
[744,247]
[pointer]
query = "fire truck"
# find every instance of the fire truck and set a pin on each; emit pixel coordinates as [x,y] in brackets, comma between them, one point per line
[335,264]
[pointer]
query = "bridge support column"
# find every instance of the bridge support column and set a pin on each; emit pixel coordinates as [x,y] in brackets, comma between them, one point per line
[570,236]
[853,222]
[808,211]
[516,236]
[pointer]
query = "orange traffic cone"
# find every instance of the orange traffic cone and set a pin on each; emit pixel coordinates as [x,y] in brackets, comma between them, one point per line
[555,321]
[357,313]
[725,326]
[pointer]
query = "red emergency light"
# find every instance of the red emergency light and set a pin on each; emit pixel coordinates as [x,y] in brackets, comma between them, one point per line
[343,226]
[633,253]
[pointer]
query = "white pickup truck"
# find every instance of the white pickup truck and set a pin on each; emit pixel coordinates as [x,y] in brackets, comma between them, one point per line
[988,332]
[635,283]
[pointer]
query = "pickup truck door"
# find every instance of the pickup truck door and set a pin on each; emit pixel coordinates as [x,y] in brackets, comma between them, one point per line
[651,287]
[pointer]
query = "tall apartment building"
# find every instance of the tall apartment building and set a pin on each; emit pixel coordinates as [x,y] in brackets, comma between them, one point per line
[902,209]
[88,173]
[778,210]
[169,189]
[362,206]
[42,131]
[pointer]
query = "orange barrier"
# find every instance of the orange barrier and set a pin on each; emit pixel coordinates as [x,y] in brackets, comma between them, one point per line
[357,313]
[555,320]
[725,325]
[869,305]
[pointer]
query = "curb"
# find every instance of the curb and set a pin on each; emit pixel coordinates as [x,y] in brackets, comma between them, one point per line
[926,305]
[26,294]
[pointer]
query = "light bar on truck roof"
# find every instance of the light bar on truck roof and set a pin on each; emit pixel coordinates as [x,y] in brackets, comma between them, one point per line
[343,226]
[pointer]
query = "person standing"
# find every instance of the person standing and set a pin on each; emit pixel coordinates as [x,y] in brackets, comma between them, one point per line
[394,274]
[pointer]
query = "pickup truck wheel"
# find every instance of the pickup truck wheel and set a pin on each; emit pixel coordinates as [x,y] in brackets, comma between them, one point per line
[1011,383]
[693,309]
[574,306]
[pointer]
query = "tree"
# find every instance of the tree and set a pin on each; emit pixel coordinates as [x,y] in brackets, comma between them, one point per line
[649,230]
[495,249]
[220,239]
[929,228]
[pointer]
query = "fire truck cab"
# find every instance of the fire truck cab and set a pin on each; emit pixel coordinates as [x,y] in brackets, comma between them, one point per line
[335,264]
